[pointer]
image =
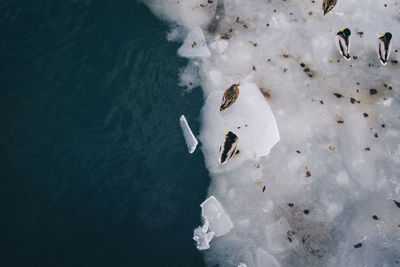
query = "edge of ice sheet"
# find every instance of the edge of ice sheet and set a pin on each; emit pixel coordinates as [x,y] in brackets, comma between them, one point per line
[213,212]
[250,118]
[214,218]
[194,45]
[191,141]
[201,236]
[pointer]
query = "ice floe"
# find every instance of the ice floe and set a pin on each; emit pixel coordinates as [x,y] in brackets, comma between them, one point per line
[191,141]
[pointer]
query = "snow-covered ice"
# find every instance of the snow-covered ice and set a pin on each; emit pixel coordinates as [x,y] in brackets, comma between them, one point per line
[194,45]
[324,194]
[191,141]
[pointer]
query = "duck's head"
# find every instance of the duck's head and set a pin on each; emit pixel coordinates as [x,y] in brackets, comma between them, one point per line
[347,32]
[388,36]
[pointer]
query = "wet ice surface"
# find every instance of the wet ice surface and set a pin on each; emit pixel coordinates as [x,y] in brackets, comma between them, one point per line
[324,194]
[190,140]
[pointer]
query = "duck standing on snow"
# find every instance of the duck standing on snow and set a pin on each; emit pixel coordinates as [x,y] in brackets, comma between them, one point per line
[343,43]
[328,5]
[228,147]
[385,46]
[230,96]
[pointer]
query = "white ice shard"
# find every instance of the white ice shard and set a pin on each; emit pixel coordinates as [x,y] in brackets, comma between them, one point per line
[194,45]
[250,118]
[212,211]
[191,141]
[201,236]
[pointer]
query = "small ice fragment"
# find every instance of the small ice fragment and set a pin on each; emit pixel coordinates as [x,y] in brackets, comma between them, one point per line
[191,141]
[242,265]
[201,236]
[220,223]
[194,45]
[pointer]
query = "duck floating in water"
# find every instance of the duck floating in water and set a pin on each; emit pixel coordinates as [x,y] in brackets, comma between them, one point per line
[328,5]
[343,43]
[228,147]
[230,96]
[385,46]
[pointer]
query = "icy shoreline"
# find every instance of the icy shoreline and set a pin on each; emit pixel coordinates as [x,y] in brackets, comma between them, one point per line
[325,194]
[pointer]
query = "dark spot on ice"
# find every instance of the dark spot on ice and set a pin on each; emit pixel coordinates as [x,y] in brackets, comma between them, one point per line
[383,125]
[306,212]
[267,24]
[390,88]
[352,100]
[310,75]
[322,102]
[358,83]
[365,115]
[375,217]
[394,62]
[308,173]
[290,235]
[340,121]
[302,65]
[238,127]
[298,151]
[373,91]
[359,245]
[397,203]
[361,34]
[367,149]
[310,13]
[376,135]
[290,205]
[254,67]
[306,70]
[263,188]
[245,125]
[337,95]
[237,152]
[355,57]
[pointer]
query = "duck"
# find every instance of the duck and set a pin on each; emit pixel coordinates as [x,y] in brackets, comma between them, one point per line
[384,48]
[328,5]
[228,147]
[230,96]
[343,43]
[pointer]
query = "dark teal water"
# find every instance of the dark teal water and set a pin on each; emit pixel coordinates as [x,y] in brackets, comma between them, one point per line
[94,170]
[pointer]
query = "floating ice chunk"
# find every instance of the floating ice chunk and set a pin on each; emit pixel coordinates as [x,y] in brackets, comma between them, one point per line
[201,236]
[265,259]
[212,211]
[194,45]
[250,118]
[191,141]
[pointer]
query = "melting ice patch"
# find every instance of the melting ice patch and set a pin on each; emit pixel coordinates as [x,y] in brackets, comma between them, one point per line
[191,141]
[324,195]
